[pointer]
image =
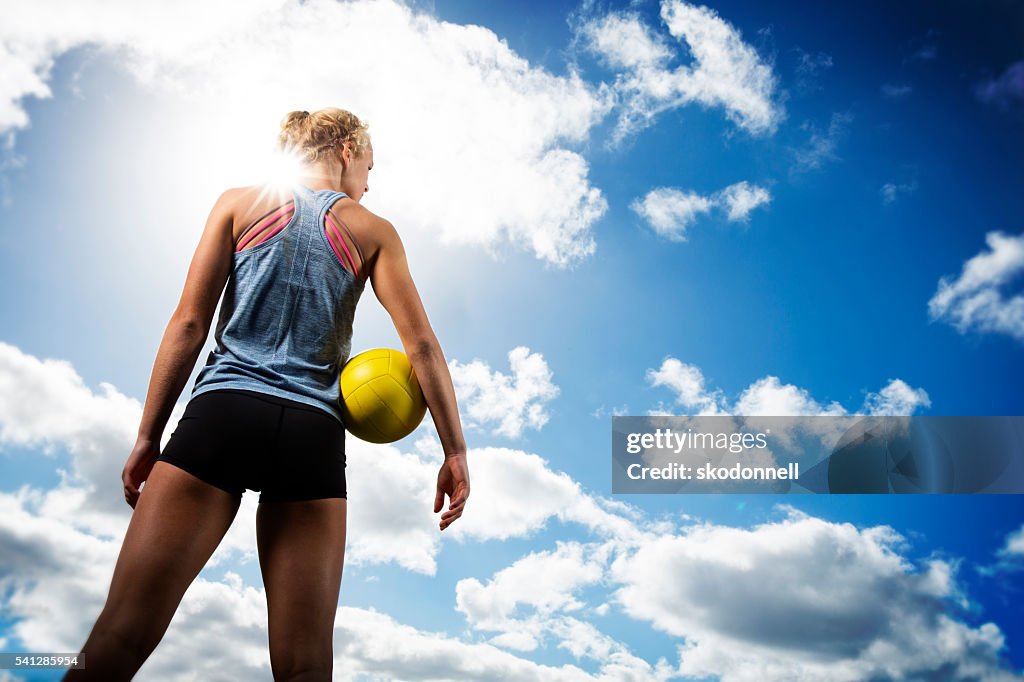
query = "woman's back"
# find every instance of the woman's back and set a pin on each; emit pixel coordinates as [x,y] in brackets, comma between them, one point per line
[285,324]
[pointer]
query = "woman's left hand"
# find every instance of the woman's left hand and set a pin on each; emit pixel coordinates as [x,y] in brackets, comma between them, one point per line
[452,480]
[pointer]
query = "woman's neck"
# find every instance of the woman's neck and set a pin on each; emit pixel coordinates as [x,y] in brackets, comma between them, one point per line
[322,176]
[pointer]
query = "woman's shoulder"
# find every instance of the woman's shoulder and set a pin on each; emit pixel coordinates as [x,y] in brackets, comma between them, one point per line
[255,193]
[363,219]
[246,199]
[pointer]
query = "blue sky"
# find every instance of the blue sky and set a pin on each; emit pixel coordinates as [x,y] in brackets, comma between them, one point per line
[609,209]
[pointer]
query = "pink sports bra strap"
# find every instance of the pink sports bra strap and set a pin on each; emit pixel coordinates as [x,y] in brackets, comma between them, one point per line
[281,217]
[351,261]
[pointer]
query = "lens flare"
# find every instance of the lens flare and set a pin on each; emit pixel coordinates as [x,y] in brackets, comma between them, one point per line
[284,171]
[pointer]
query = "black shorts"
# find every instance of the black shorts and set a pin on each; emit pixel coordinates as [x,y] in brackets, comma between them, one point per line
[236,439]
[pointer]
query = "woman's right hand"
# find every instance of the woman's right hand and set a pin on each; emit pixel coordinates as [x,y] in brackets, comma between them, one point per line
[452,480]
[137,468]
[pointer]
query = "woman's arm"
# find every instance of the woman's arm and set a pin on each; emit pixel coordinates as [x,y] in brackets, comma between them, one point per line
[183,339]
[393,285]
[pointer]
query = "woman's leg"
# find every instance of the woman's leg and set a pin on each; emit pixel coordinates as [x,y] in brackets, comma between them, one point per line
[302,549]
[177,523]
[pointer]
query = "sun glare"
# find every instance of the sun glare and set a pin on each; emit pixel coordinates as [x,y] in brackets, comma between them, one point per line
[283,172]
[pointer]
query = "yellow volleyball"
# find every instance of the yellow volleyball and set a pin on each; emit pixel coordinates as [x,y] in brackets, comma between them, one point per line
[381,400]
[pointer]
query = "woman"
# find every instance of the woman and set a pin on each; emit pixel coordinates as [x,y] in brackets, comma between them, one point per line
[264,413]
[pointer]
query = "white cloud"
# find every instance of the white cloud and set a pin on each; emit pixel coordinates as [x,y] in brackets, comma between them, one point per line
[687,381]
[1015,542]
[54,573]
[801,598]
[390,516]
[376,647]
[768,396]
[741,198]
[507,403]
[804,599]
[473,143]
[897,398]
[670,212]
[566,570]
[626,42]
[1008,558]
[821,146]
[526,612]
[974,300]
[54,579]
[49,560]
[46,404]
[891,190]
[725,72]
[515,493]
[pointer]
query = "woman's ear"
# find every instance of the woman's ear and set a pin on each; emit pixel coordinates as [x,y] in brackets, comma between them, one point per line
[345,153]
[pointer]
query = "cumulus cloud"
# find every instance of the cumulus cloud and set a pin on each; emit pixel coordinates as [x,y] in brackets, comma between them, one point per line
[687,381]
[45,404]
[1005,89]
[800,598]
[897,398]
[54,578]
[768,396]
[741,198]
[720,589]
[526,612]
[566,570]
[377,647]
[506,404]
[804,599]
[454,103]
[404,529]
[670,212]
[517,493]
[725,71]
[974,300]
[759,406]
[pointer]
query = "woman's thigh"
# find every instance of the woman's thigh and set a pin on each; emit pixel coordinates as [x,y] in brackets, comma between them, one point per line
[302,550]
[177,524]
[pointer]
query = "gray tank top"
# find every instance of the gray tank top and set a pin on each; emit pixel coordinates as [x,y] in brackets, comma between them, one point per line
[285,325]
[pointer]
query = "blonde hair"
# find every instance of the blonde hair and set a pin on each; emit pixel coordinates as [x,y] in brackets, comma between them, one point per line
[311,136]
